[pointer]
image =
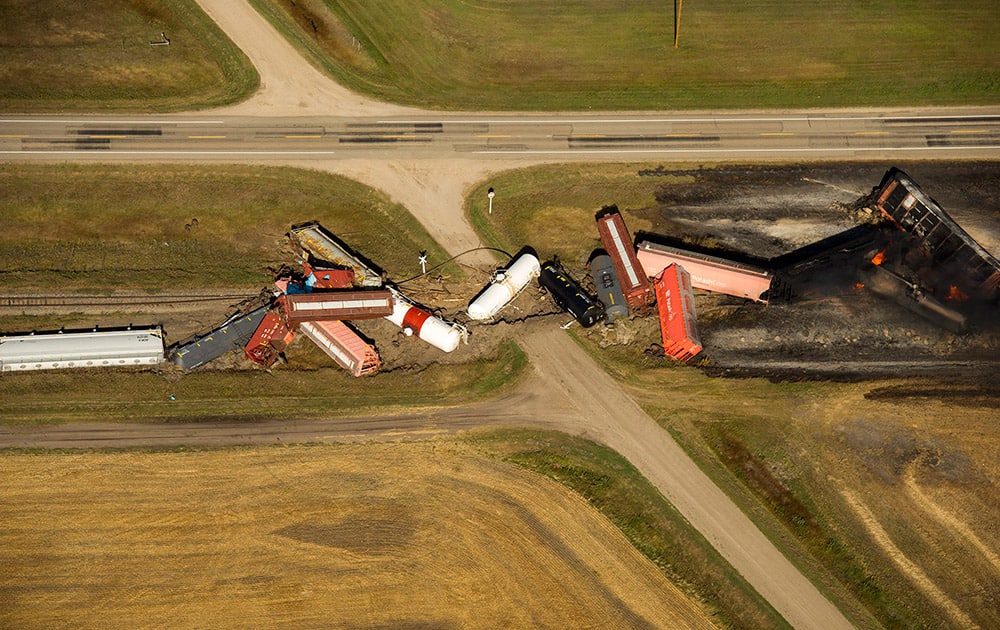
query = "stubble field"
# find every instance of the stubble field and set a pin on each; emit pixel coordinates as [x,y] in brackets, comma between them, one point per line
[390,535]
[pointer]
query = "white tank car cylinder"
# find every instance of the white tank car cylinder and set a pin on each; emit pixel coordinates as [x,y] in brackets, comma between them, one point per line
[416,321]
[499,294]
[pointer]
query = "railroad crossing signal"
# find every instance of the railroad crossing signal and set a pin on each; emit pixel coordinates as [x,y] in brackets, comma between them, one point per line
[423,261]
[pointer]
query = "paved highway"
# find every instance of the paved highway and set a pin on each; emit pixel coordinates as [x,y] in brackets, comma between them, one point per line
[944,135]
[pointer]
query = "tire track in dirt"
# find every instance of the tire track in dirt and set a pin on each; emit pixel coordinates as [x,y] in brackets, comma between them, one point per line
[947,520]
[913,572]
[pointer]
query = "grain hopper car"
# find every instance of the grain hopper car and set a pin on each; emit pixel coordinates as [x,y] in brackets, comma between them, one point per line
[678,320]
[956,257]
[232,334]
[327,305]
[710,273]
[343,345]
[324,246]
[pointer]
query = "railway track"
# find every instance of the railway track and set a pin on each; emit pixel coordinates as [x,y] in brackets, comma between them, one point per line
[25,301]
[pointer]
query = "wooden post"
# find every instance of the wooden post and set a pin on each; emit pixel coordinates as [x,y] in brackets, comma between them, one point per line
[678,5]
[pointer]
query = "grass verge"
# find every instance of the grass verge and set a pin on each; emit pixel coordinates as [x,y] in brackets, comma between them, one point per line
[114,396]
[588,54]
[612,485]
[96,56]
[134,227]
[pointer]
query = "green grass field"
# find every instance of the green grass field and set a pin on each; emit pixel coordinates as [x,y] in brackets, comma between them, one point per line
[129,230]
[593,54]
[96,56]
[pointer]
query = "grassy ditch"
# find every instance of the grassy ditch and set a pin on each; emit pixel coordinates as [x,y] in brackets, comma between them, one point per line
[96,56]
[523,55]
[101,228]
[612,485]
[247,395]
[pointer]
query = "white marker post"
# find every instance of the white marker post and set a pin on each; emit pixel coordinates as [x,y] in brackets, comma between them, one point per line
[490,195]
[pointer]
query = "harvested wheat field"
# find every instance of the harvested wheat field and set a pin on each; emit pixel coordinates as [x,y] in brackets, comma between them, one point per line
[381,535]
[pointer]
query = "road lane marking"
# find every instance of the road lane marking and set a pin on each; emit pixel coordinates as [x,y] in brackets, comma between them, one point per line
[11,135]
[777,133]
[968,131]
[494,135]
[871,133]
[759,150]
[303,136]
[205,137]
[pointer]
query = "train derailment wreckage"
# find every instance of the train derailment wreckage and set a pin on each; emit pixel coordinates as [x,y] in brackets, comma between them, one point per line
[918,256]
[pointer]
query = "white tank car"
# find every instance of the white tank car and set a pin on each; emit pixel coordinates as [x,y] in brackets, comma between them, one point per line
[505,287]
[416,321]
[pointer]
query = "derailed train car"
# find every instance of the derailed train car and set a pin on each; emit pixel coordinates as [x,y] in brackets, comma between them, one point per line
[324,246]
[615,237]
[678,320]
[711,273]
[609,291]
[81,349]
[232,334]
[569,295]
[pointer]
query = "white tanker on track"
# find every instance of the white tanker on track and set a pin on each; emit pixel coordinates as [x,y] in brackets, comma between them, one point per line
[505,287]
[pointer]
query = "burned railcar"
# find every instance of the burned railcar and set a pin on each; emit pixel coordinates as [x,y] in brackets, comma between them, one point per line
[953,257]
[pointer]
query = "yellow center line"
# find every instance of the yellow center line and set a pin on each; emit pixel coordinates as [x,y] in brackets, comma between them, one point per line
[494,135]
[206,137]
[5,135]
[968,131]
[304,136]
[106,137]
[871,133]
[777,133]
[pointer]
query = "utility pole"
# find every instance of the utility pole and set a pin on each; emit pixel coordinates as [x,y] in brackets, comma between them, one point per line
[678,5]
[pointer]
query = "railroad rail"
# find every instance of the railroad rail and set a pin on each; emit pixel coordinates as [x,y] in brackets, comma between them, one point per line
[21,301]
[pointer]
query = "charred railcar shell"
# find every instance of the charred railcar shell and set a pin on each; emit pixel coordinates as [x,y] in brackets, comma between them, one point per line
[609,291]
[972,269]
[569,295]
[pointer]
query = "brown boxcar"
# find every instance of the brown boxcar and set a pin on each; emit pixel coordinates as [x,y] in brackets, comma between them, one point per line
[618,243]
[678,321]
[327,305]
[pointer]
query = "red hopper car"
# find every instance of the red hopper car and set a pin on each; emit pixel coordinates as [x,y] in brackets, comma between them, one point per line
[675,302]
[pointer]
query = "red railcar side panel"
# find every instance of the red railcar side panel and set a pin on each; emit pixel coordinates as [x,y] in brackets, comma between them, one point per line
[707,272]
[329,278]
[618,243]
[272,336]
[675,303]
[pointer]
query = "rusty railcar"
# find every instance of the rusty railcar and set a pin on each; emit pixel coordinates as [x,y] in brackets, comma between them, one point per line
[618,244]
